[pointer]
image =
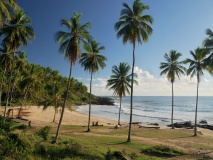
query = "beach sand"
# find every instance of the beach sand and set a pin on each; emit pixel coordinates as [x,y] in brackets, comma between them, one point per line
[40,117]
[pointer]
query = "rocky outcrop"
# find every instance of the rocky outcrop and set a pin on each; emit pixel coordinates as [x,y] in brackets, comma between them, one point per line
[103,101]
[186,124]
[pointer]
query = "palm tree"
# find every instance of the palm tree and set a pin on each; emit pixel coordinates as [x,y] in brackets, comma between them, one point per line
[18,32]
[134,27]
[92,61]
[31,81]
[20,63]
[70,48]
[196,67]
[55,92]
[120,82]
[171,68]
[5,11]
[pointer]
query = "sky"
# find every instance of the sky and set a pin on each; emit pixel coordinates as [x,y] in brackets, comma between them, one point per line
[178,25]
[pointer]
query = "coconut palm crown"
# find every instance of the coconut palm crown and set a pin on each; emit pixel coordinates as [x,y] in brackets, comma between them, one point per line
[5,11]
[133,26]
[172,68]
[208,44]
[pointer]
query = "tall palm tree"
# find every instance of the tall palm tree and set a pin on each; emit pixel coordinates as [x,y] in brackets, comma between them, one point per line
[5,63]
[196,67]
[92,61]
[172,68]
[16,33]
[5,11]
[134,27]
[70,47]
[120,82]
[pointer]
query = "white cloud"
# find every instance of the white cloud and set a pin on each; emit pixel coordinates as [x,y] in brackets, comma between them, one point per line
[149,85]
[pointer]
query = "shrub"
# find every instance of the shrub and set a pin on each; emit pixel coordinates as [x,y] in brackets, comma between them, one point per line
[43,132]
[161,150]
[15,146]
[5,124]
[22,126]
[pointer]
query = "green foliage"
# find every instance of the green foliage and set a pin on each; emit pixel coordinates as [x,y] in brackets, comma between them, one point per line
[66,149]
[161,150]
[22,126]
[43,132]
[5,125]
[15,146]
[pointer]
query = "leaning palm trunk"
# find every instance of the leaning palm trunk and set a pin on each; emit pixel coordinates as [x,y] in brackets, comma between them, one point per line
[195,128]
[130,120]
[90,103]
[12,91]
[119,111]
[63,108]
[55,112]
[9,85]
[172,107]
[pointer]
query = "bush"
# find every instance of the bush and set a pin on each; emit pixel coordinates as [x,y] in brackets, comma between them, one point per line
[5,124]
[161,150]
[15,146]
[22,126]
[43,132]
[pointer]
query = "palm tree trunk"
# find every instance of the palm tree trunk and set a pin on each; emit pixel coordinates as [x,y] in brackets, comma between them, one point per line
[9,85]
[54,114]
[195,129]
[1,87]
[90,103]
[130,120]
[63,108]
[23,102]
[119,111]
[12,90]
[172,107]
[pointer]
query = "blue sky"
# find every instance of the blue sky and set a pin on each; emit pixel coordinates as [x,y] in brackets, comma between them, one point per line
[178,25]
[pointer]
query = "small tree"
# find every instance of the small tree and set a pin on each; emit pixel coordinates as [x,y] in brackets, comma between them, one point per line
[196,67]
[92,61]
[172,68]
[120,82]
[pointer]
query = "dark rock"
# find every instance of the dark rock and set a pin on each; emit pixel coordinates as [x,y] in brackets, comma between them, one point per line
[102,101]
[205,126]
[136,123]
[154,124]
[186,124]
[203,121]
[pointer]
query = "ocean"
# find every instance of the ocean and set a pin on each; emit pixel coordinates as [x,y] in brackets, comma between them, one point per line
[155,109]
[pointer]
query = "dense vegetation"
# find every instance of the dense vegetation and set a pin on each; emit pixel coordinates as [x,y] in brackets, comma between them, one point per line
[34,84]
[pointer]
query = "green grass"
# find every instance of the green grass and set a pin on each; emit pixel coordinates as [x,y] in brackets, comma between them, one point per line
[75,143]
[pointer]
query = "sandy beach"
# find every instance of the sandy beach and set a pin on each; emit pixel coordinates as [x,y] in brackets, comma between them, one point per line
[40,117]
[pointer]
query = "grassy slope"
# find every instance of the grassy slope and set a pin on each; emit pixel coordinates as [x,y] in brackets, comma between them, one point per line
[102,139]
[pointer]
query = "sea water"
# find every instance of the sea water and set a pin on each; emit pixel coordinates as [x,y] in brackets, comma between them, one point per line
[155,109]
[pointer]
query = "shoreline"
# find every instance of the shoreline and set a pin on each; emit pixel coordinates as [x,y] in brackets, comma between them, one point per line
[40,117]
